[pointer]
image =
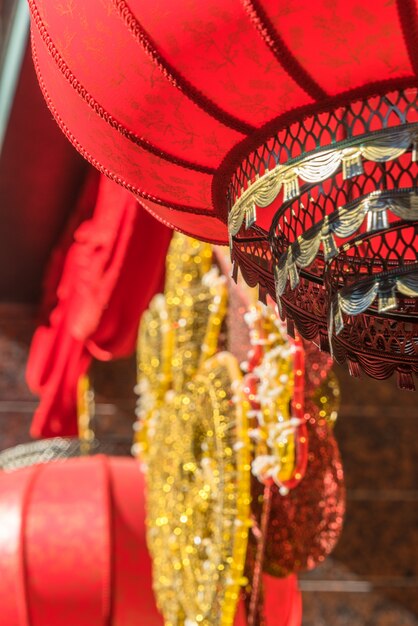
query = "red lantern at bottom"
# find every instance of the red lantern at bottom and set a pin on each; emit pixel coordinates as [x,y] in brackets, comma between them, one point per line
[72,545]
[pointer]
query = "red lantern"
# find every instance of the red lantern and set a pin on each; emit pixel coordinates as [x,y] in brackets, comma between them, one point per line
[72,545]
[294,123]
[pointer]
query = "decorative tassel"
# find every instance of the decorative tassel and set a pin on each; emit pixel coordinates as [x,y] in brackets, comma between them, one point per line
[279,306]
[293,275]
[250,215]
[414,149]
[353,368]
[234,273]
[352,165]
[377,219]
[291,188]
[387,299]
[329,246]
[405,379]
[280,279]
[338,321]
[290,327]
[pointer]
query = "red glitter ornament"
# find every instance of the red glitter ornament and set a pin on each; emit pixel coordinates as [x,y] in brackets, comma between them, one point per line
[305,524]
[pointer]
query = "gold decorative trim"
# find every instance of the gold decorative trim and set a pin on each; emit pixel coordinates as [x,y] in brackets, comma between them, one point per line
[343,223]
[361,296]
[381,146]
[359,299]
[273,425]
[85,413]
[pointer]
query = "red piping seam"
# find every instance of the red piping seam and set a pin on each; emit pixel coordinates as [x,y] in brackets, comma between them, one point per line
[409,22]
[22,548]
[97,164]
[283,54]
[109,582]
[99,110]
[174,77]
[233,159]
[216,242]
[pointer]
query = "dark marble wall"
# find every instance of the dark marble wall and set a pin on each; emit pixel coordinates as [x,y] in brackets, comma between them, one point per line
[374,569]
[16,402]
[378,435]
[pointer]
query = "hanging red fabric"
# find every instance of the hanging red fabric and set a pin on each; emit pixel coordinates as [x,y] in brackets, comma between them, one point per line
[101,278]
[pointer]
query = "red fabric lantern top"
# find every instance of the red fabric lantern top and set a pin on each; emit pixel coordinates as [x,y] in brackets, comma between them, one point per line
[166,97]
[72,545]
[73,549]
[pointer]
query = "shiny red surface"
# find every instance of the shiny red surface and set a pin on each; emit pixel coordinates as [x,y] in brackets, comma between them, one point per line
[72,545]
[163,97]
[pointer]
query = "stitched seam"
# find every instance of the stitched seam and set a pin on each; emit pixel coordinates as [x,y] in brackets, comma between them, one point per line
[104,170]
[23,542]
[218,242]
[100,110]
[174,77]
[108,594]
[283,54]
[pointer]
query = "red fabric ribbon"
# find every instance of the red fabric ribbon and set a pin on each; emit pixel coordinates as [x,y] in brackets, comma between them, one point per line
[282,603]
[101,278]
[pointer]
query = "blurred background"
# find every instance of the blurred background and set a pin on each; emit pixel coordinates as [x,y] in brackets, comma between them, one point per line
[372,577]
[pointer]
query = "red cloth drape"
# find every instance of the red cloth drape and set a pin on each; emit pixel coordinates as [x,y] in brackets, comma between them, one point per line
[101,278]
[282,603]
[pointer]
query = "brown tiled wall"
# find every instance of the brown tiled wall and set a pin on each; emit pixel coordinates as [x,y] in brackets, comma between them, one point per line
[377,431]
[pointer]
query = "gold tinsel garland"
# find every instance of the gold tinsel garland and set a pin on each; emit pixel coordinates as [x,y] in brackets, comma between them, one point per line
[193,440]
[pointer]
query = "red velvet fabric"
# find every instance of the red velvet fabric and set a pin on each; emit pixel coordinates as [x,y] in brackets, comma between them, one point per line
[101,278]
[164,97]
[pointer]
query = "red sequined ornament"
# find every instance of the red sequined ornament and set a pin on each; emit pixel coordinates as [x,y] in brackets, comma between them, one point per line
[305,524]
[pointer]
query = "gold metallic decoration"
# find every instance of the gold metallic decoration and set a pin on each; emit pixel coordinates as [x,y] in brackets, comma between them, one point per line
[85,413]
[358,298]
[193,440]
[326,400]
[273,431]
[155,348]
[198,499]
[343,223]
[196,295]
[381,146]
